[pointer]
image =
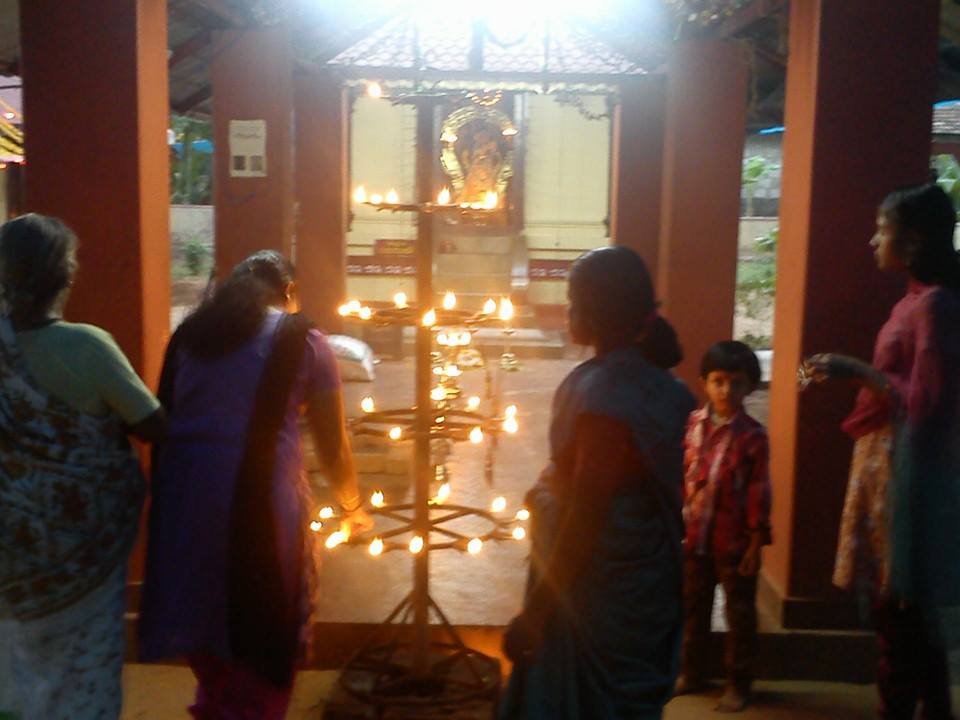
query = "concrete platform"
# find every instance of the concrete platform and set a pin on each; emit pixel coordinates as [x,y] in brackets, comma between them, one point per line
[525,342]
[157,692]
[482,590]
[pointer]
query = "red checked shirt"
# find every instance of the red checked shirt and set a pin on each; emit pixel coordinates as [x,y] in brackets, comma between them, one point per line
[726,483]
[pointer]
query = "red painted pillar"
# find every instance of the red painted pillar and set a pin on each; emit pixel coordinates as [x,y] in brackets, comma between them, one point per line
[322,195]
[700,219]
[252,78]
[96,112]
[858,118]
[637,167]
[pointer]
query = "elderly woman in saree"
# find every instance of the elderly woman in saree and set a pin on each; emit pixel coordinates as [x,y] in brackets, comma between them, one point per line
[599,634]
[230,568]
[899,535]
[71,489]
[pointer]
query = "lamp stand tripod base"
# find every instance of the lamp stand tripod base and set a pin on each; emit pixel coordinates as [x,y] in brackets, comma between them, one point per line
[382,681]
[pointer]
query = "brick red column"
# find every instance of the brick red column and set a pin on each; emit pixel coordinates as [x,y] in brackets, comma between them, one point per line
[699,225]
[252,78]
[322,130]
[96,112]
[637,166]
[858,119]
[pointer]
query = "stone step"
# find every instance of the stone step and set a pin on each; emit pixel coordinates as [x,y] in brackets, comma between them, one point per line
[483,244]
[473,283]
[474,263]
[816,656]
[848,657]
[524,342]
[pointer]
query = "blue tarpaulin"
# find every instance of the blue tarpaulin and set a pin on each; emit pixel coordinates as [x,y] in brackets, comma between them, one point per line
[203,146]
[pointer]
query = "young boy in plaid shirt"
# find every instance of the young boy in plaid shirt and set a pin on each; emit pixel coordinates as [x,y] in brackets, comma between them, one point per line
[727,515]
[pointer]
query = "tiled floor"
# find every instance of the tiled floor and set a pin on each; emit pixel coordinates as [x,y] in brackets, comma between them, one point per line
[481,590]
[162,693]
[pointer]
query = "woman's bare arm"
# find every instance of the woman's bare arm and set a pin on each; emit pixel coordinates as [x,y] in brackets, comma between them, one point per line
[328,428]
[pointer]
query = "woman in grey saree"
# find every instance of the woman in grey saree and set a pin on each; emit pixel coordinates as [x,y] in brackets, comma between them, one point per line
[70,487]
[599,633]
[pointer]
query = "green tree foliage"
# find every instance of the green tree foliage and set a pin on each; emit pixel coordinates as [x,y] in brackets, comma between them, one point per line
[757,281]
[191,171]
[755,168]
[948,176]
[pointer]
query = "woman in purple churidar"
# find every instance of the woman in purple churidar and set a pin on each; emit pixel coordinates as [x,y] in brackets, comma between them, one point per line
[230,566]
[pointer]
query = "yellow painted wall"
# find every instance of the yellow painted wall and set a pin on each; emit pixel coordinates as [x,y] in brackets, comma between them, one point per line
[381,158]
[568,174]
[567,188]
[566,195]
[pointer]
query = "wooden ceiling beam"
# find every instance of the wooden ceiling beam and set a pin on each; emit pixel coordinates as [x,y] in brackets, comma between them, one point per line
[201,95]
[218,10]
[748,15]
[770,56]
[190,47]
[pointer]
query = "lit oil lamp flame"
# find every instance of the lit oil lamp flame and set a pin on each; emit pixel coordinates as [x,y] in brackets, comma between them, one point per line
[443,197]
[365,313]
[392,197]
[360,195]
[396,433]
[506,309]
[429,318]
[325,513]
[491,200]
[449,300]
[374,90]
[368,405]
[438,394]
[452,370]
[400,300]
[376,199]
[519,533]
[475,546]
[473,403]
[416,544]
[376,499]
[353,306]
[509,131]
[338,537]
[449,137]
[476,435]
[510,425]
[465,338]
[443,493]
[443,339]
[343,310]
[376,547]
[499,504]
[511,411]
[490,306]
[316,526]
[523,514]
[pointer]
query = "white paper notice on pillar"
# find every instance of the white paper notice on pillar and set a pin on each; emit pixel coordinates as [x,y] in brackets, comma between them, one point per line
[248,148]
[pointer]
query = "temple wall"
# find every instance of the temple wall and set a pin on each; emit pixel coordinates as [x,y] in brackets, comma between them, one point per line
[567,168]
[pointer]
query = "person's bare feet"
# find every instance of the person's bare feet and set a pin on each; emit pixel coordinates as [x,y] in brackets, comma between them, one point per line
[688,686]
[731,702]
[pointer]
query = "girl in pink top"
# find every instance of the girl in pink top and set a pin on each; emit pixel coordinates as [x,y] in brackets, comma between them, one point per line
[899,532]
